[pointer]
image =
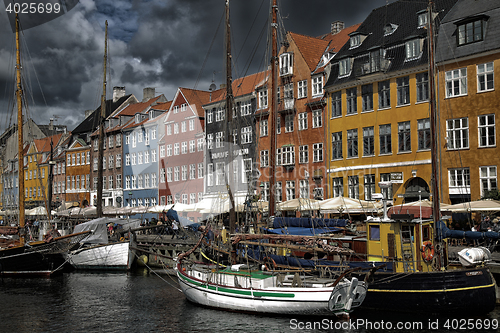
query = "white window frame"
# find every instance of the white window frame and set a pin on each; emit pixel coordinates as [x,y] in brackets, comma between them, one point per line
[456,80]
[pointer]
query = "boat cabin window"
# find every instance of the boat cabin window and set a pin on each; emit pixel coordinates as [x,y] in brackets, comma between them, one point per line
[374,232]
[426,233]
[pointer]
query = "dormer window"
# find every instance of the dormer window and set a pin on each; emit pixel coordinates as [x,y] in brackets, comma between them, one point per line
[413,48]
[137,118]
[286,64]
[471,29]
[422,19]
[345,67]
[356,39]
[389,29]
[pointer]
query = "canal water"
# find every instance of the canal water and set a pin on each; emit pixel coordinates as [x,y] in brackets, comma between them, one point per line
[145,302]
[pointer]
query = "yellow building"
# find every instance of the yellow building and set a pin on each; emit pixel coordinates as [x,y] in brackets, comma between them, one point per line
[469,95]
[378,108]
[36,172]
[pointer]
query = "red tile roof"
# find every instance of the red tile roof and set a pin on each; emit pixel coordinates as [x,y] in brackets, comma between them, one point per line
[338,40]
[311,48]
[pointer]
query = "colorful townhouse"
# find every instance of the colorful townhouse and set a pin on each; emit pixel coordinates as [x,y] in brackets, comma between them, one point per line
[300,117]
[378,125]
[468,64]
[78,173]
[181,150]
[59,176]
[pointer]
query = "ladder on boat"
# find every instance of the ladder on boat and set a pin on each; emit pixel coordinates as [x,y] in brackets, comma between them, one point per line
[406,239]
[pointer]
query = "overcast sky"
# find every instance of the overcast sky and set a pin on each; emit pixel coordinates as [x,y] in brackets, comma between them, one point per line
[163,44]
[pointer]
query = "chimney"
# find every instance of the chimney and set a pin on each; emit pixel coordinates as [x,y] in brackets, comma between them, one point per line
[118,92]
[51,125]
[337,26]
[148,93]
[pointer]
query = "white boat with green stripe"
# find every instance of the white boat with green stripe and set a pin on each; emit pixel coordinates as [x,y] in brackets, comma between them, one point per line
[246,289]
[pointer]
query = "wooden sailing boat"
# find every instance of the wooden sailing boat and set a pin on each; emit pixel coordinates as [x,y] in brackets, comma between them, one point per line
[40,258]
[246,288]
[98,251]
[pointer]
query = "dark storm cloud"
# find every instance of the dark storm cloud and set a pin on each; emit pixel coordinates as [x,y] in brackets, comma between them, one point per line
[159,43]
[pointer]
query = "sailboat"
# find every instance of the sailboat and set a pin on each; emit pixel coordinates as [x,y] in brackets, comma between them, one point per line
[39,258]
[250,288]
[100,251]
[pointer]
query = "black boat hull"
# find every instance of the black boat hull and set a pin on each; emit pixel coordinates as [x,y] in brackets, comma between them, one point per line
[22,261]
[441,292]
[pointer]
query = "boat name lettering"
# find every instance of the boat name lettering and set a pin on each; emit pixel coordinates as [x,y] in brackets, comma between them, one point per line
[474,273]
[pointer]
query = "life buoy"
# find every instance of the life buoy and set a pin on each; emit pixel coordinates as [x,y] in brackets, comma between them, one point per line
[427,251]
[122,239]
[269,260]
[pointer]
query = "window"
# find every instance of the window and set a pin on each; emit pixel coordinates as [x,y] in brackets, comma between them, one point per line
[375,232]
[139,157]
[486,127]
[246,135]
[344,67]
[219,173]
[286,155]
[338,187]
[302,89]
[104,162]
[385,139]
[263,127]
[424,134]
[337,104]
[286,64]
[369,187]
[302,121]
[403,90]
[139,136]
[317,85]
[146,137]
[169,175]
[290,189]
[353,187]
[210,116]
[199,144]
[192,146]
[95,165]
[422,87]
[169,129]
[352,143]
[264,158]
[183,107]
[219,139]
[246,108]
[133,158]
[288,96]
[192,171]
[134,140]
[210,174]
[470,32]
[176,149]
[200,170]
[404,138]
[183,126]
[351,101]
[192,198]
[153,155]
[210,141]
[111,163]
[384,95]
[262,98]
[368,141]
[459,181]
[367,97]
[247,170]
[386,192]
[176,109]
[318,152]
[337,146]
[176,128]
[355,41]
[278,124]
[169,150]
[457,133]
[485,77]
[153,134]
[118,140]
[456,82]
[184,147]
[289,123]
[304,188]
[317,118]
[184,172]
[176,173]
[413,49]
[488,177]
[304,154]
[191,124]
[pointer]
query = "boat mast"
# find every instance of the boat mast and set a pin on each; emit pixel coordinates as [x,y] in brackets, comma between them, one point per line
[20,147]
[436,213]
[50,180]
[229,108]
[101,117]
[272,110]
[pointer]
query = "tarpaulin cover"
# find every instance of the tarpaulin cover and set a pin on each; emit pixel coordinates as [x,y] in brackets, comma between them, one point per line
[307,222]
[443,232]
